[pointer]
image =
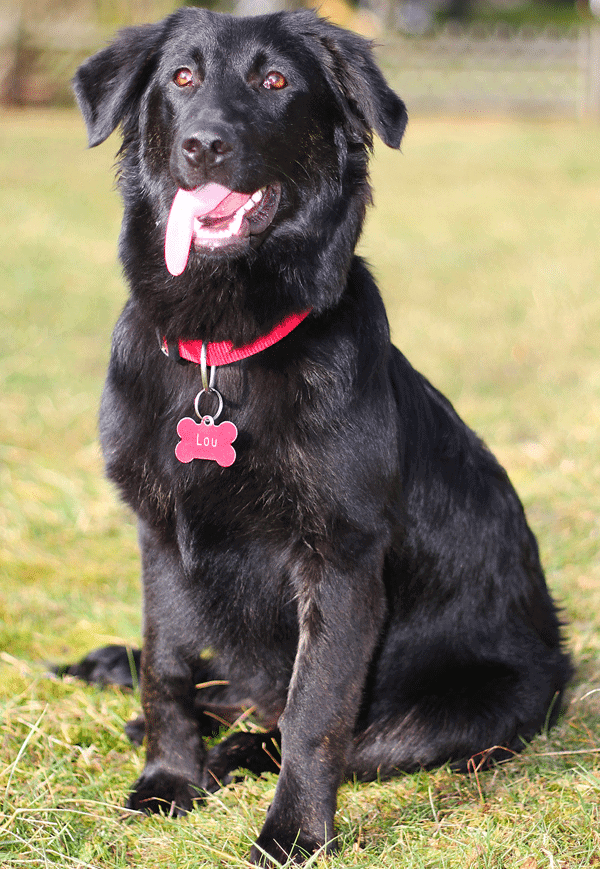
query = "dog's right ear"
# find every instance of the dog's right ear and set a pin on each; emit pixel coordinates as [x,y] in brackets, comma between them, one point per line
[109,84]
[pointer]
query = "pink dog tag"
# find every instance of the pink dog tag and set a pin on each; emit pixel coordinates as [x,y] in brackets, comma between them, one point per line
[206,440]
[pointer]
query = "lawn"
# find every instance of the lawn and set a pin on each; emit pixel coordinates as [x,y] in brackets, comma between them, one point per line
[485,239]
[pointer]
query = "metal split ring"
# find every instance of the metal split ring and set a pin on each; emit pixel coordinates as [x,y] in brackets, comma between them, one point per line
[202,392]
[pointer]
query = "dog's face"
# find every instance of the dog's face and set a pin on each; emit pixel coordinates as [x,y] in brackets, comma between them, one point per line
[247,114]
[231,105]
[268,121]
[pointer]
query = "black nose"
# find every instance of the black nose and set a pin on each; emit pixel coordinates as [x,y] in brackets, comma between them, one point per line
[205,148]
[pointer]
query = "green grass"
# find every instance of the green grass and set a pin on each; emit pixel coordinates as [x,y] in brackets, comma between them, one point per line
[485,241]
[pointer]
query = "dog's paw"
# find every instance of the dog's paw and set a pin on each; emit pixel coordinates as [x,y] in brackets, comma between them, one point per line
[161,791]
[275,850]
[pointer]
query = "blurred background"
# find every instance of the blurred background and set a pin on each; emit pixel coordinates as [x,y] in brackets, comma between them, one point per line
[517,56]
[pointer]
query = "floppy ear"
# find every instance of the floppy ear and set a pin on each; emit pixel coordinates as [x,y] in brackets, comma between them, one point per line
[108,85]
[369,102]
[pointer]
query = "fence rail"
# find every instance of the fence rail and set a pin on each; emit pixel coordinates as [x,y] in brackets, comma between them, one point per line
[455,70]
[524,71]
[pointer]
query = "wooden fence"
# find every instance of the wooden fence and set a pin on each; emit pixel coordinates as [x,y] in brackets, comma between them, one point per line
[500,71]
[469,71]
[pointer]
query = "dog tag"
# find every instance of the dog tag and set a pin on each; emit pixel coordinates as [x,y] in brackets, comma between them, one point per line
[206,440]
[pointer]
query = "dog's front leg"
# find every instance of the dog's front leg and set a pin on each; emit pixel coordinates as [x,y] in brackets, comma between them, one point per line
[340,615]
[175,752]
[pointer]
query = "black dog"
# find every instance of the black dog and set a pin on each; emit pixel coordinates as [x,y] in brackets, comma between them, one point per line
[353,556]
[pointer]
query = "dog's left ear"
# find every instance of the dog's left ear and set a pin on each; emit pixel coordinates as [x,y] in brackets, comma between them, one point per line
[369,102]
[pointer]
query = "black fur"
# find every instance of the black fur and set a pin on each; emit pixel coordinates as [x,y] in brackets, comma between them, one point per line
[363,574]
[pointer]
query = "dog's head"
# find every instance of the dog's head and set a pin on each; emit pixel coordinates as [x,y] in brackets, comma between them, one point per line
[251,133]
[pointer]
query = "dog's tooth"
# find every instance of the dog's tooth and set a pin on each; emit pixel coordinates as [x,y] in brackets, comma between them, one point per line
[256,197]
[235,224]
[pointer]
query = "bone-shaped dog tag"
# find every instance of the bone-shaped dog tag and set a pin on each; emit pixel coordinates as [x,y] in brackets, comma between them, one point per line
[206,440]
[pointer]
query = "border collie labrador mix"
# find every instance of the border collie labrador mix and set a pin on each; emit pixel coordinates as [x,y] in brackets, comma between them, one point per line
[311,510]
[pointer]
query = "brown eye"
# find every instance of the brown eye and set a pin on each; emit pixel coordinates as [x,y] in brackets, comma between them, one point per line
[274,80]
[183,77]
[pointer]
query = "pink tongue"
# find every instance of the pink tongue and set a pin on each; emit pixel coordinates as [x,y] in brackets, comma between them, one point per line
[212,200]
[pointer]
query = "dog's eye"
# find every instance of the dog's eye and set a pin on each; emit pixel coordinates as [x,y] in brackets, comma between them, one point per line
[274,80]
[183,77]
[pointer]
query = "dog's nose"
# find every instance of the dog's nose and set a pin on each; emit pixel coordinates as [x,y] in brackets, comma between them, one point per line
[206,148]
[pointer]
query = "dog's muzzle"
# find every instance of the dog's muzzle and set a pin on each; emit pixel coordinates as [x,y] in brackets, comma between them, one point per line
[214,217]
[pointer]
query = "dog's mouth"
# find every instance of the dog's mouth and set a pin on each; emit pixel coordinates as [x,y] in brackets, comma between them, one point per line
[214,217]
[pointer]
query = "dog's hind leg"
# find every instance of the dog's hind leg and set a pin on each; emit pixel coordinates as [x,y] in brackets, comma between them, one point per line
[477,715]
[385,749]
[108,665]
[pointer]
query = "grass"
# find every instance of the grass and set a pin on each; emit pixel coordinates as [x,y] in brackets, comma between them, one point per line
[485,241]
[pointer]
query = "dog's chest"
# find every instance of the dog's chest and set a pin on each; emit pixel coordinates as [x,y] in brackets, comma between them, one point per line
[295,466]
[280,463]
[238,545]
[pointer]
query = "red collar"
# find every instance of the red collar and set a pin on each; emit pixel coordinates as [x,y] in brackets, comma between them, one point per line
[223,352]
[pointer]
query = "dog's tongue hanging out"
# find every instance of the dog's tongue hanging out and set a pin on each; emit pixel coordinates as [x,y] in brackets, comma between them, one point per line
[211,214]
